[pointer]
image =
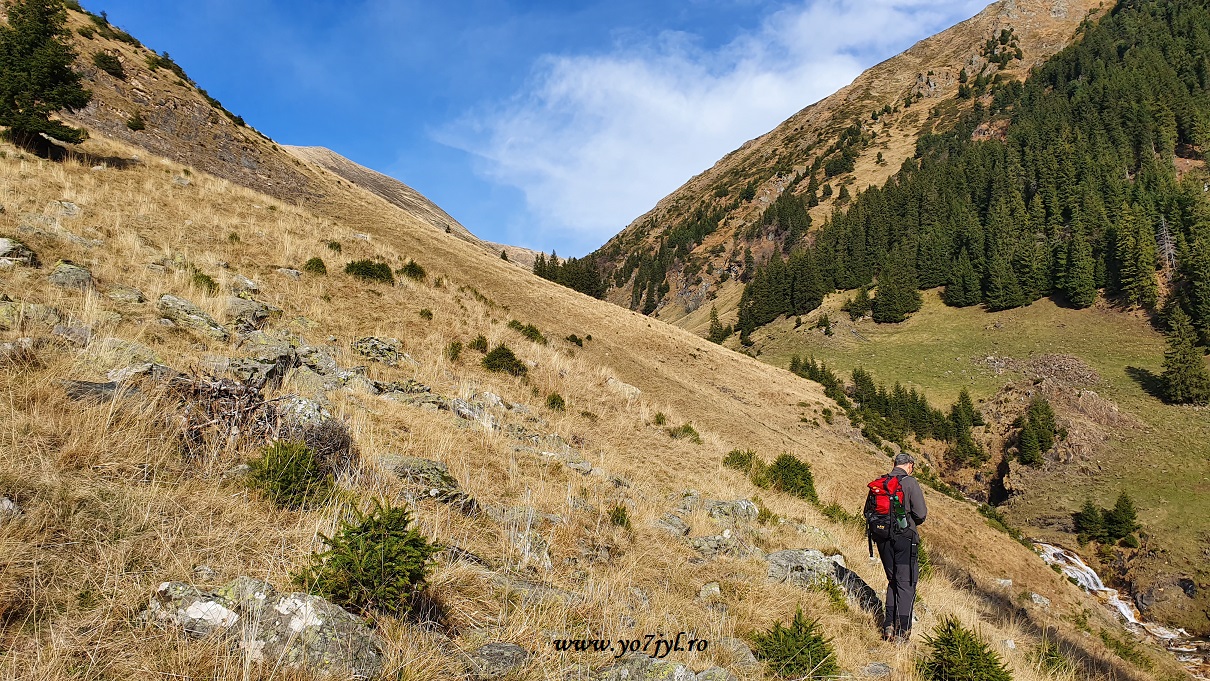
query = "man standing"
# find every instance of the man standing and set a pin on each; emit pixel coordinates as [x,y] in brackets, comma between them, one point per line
[898,551]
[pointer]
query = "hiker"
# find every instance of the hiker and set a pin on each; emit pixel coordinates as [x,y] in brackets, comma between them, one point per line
[894,507]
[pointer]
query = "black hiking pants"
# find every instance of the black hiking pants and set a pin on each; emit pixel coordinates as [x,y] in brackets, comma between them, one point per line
[899,560]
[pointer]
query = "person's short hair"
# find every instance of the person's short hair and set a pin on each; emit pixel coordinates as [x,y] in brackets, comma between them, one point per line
[903,458]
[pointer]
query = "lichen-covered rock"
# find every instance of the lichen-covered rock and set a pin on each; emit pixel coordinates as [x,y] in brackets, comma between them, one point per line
[70,275]
[639,667]
[15,314]
[289,273]
[292,630]
[385,350]
[719,545]
[624,389]
[241,285]
[715,674]
[806,567]
[420,472]
[494,660]
[17,253]
[300,411]
[741,653]
[125,294]
[673,524]
[732,512]
[877,670]
[185,314]
[8,509]
[246,314]
[255,371]
[76,334]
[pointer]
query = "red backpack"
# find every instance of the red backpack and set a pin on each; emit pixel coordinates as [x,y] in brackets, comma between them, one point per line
[884,504]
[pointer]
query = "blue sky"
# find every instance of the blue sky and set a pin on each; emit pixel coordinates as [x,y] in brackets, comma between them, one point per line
[549,125]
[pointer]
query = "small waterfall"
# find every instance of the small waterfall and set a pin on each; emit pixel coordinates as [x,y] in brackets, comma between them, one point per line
[1195,655]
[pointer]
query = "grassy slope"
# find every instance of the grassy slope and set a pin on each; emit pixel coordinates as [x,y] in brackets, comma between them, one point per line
[110,509]
[1164,464]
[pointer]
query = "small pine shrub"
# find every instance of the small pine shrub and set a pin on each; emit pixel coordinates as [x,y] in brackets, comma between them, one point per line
[740,459]
[374,563]
[924,560]
[792,476]
[554,402]
[685,432]
[660,419]
[958,654]
[86,32]
[837,513]
[479,344]
[1126,649]
[799,651]
[315,266]
[136,122]
[619,516]
[1129,542]
[334,246]
[1050,659]
[204,282]
[501,359]
[828,415]
[453,351]
[589,416]
[109,64]
[233,238]
[573,338]
[369,270]
[529,331]
[832,590]
[291,475]
[426,314]
[412,271]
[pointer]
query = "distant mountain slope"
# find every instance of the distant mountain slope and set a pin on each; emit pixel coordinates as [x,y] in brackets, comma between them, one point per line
[403,196]
[853,139]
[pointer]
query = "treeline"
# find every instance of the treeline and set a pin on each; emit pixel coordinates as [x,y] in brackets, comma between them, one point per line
[897,413]
[580,274]
[1107,525]
[1082,193]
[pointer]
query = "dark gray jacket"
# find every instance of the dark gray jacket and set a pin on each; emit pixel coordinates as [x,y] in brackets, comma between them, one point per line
[913,497]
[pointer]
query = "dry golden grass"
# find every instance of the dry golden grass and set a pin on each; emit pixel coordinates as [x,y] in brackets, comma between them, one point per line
[111,509]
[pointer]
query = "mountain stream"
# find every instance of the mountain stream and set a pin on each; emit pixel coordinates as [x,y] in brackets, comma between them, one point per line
[1193,653]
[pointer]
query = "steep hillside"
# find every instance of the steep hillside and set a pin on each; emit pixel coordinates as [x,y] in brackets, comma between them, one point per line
[152,103]
[161,326]
[406,198]
[111,499]
[689,250]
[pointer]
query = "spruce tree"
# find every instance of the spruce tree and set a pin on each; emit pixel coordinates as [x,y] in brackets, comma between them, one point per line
[36,78]
[1089,523]
[1185,379]
[963,288]
[1079,281]
[718,333]
[898,295]
[1028,450]
[1120,520]
[1003,292]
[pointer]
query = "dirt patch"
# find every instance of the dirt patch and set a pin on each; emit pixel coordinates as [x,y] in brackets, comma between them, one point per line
[1064,370]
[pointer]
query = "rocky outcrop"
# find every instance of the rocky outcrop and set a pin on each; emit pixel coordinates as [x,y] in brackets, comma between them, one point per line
[385,350]
[292,630]
[187,315]
[70,275]
[14,253]
[807,567]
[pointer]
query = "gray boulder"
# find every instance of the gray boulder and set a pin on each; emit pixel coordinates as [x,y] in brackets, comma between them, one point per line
[715,674]
[291,630]
[719,545]
[70,275]
[16,253]
[732,512]
[8,509]
[385,350]
[432,478]
[76,334]
[300,411]
[289,273]
[185,314]
[877,670]
[741,653]
[14,314]
[246,314]
[494,660]
[807,567]
[639,667]
[241,285]
[673,524]
[126,294]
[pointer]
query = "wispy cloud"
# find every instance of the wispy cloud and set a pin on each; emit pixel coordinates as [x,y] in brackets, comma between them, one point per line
[595,140]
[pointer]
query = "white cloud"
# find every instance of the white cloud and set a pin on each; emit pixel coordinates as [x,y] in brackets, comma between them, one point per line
[595,140]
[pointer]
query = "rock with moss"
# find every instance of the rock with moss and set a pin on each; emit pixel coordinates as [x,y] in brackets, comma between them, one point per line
[14,253]
[720,545]
[187,315]
[673,524]
[246,314]
[639,667]
[15,314]
[288,630]
[125,294]
[385,350]
[732,513]
[70,275]
[808,567]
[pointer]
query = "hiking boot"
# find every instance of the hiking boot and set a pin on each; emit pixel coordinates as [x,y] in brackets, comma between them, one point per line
[903,637]
[888,634]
